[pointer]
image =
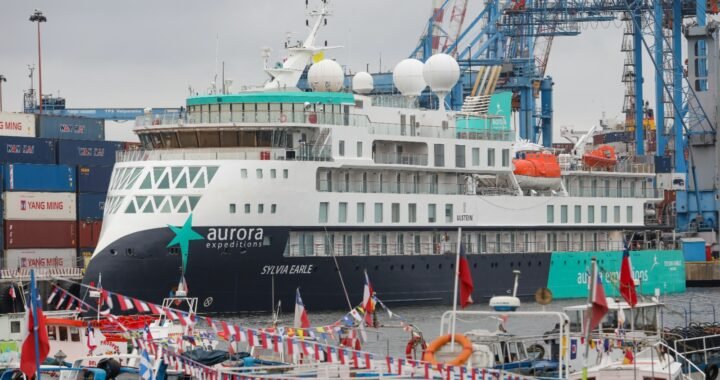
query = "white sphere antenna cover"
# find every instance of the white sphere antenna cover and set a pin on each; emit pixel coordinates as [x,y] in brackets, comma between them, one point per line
[363,83]
[408,77]
[441,72]
[326,76]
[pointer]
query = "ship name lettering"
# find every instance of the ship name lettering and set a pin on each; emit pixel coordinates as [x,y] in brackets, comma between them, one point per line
[286,269]
[464,218]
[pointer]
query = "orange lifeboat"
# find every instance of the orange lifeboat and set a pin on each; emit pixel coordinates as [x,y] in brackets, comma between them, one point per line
[601,158]
[537,170]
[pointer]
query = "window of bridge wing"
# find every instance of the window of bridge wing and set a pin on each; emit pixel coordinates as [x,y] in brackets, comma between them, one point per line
[188,138]
[229,138]
[170,139]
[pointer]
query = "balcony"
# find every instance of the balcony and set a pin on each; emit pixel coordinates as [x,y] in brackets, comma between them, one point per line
[401,159]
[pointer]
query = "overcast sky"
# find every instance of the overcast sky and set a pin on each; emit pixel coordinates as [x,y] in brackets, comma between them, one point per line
[140,53]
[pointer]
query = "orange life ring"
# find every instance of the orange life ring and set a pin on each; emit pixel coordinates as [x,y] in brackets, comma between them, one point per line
[411,348]
[443,340]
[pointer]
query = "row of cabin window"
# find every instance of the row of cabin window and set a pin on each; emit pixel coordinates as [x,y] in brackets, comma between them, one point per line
[259,173]
[440,155]
[379,214]
[578,218]
[309,244]
[248,208]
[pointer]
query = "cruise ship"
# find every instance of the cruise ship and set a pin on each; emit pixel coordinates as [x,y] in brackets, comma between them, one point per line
[248,196]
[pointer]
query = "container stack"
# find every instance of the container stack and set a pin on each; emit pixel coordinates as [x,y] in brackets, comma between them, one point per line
[55,175]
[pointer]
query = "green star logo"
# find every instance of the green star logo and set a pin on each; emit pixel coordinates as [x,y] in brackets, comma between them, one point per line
[183,236]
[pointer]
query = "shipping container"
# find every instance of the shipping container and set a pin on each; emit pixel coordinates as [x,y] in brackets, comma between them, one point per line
[17,124]
[599,139]
[40,258]
[20,205]
[40,234]
[91,205]
[87,153]
[36,177]
[27,150]
[93,179]
[663,164]
[70,128]
[89,233]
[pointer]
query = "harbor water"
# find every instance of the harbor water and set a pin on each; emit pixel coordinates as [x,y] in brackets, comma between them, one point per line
[697,305]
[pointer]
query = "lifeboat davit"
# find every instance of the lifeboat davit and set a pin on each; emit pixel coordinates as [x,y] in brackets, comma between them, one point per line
[601,158]
[537,170]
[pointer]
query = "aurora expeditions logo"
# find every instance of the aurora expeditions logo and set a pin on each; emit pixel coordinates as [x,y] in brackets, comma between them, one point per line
[234,237]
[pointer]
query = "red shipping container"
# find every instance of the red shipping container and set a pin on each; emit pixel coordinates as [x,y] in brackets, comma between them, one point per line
[89,233]
[40,234]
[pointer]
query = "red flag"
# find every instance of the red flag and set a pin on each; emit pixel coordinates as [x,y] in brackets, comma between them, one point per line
[368,302]
[12,292]
[627,284]
[466,282]
[301,316]
[27,355]
[599,304]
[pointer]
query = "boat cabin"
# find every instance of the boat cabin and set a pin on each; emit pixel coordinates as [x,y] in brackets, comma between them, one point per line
[643,318]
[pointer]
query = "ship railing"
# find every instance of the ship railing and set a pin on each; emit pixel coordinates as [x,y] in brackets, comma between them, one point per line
[625,166]
[410,248]
[23,274]
[315,119]
[401,158]
[614,191]
[304,153]
[390,187]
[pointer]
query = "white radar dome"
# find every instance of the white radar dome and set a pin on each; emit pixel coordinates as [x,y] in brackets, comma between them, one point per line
[363,83]
[408,77]
[441,72]
[326,76]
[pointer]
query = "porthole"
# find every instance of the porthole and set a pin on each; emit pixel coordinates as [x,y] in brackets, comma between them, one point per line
[427,266]
[392,267]
[357,268]
[402,267]
[475,265]
[113,252]
[376,267]
[412,267]
[439,266]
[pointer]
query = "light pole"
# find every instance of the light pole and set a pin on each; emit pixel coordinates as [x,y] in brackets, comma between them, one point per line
[39,17]
[2,79]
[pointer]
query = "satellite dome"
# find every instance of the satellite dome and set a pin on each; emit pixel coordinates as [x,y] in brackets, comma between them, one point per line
[363,83]
[408,77]
[326,76]
[441,72]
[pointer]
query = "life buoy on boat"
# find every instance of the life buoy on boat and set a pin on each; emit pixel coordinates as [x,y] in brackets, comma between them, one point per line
[411,349]
[436,344]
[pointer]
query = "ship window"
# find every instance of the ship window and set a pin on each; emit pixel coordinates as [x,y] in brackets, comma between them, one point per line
[323,217]
[15,327]
[563,214]
[273,208]
[285,173]
[341,148]
[476,156]
[359,149]
[505,158]
[591,214]
[417,244]
[616,214]
[607,188]
[383,244]
[629,214]
[273,173]
[439,155]
[366,244]
[232,208]
[378,212]
[329,244]
[247,208]
[173,251]
[360,212]
[342,212]
[259,173]
[448,213]
[395,212]
[491,157]
[400,244]
[551,214]
[267,241]
[74,334]
[412,213]
[578,214]
[261,208]
[603,214]
[347,245]
[432,217]
[460,156]
[243,173]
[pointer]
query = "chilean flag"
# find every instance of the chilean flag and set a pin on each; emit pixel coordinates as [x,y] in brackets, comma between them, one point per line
[627,284]
[599,304]
[466,282]
[368,302]
[125,303]
[301,317]
[27,355]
